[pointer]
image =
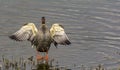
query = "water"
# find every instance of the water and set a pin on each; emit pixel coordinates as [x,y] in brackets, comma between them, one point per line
[93,27]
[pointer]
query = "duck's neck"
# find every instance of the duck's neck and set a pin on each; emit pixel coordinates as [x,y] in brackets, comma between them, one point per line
[43,27]
[43,23]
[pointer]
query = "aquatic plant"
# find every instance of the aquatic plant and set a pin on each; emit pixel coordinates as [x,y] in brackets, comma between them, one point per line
[31,64]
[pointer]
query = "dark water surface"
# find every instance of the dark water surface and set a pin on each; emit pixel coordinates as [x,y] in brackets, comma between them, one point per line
[93,27]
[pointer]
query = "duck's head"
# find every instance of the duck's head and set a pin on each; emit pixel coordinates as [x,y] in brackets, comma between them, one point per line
[43,20]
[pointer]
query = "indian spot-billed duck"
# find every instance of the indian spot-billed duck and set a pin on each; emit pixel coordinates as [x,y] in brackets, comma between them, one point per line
[43,37]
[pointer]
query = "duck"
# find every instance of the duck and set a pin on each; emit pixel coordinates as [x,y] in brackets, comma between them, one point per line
[43,37]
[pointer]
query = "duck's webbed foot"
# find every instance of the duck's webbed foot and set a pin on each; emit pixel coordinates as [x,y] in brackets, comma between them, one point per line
[38,56]
[42,57]
[46,56]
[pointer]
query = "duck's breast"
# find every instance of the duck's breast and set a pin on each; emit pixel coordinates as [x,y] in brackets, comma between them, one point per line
[43,41]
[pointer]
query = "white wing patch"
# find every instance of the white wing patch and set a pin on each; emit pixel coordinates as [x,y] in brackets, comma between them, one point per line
[56,30]
[26,32]
[58,34]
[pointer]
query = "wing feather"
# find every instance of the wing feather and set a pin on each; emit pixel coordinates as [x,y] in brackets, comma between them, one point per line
[26,32]
[58,34]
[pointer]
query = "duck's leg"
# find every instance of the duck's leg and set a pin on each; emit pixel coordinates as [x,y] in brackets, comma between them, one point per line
[38,56]
[46,56]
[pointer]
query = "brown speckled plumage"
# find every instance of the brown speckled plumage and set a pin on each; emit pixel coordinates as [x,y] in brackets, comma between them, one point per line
[43,37]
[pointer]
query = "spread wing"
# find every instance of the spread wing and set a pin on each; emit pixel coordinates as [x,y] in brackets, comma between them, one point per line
[26,32]
[58,34]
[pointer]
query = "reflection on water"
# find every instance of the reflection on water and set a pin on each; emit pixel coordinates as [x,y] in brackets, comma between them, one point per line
[31,64]
[42,66]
